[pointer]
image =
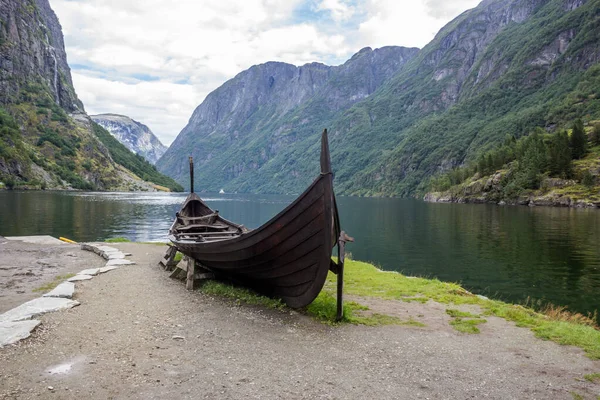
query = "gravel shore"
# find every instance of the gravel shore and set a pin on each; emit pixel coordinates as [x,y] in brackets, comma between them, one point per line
[140,335]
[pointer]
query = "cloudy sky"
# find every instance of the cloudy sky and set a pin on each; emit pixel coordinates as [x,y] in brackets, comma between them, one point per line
[156,60]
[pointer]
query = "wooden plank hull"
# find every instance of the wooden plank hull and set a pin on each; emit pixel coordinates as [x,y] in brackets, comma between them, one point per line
[288,257]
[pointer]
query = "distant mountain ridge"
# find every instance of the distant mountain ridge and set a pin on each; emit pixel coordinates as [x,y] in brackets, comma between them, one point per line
[134,135]
[254,118]
[501,68]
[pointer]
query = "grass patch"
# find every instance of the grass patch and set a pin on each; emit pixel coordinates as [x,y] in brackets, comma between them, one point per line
[467,325]
[594,378]
[178,256]
[240,295]
[324,309]
[363,279]
[563,332]
[117,240]
[52,284]
[577,396]
[460,314]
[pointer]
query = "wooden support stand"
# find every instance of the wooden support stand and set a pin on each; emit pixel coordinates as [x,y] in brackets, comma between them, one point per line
[169,262]
[340,273]
[191,271]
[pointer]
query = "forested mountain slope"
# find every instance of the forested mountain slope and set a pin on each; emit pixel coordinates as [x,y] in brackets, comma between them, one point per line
[46,138]
[504,67]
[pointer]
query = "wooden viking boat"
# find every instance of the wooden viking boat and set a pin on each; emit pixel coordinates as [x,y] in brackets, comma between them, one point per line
[288,257]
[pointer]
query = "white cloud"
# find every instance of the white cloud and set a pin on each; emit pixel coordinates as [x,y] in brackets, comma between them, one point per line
[412,24]
[444,9]
[155,61]
[140,101]
[338,9]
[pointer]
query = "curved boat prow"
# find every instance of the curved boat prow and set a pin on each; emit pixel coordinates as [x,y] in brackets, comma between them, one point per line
[325,157]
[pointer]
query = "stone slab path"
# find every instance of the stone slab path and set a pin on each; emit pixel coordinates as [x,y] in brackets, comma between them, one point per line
[65,290]
[11,330]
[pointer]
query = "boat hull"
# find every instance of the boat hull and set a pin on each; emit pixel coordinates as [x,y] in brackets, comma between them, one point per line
[288,257]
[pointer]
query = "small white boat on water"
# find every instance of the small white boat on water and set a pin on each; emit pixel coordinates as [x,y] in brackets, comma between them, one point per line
[221,191]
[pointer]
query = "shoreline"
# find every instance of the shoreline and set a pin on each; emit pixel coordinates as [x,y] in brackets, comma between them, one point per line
[530,201]
[430,197]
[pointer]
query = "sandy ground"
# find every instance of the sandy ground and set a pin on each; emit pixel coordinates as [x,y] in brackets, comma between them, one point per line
[27,266]
[140,335]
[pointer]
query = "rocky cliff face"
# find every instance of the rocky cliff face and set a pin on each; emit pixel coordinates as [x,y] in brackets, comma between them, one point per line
[267,109]
[32,51]
[136,136]
[46,138]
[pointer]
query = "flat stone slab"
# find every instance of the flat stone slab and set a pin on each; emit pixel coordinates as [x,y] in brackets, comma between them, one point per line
[77,278]
[64,290]
[108,268]
[107,249]
[40,239]
[11,332]
[115,256]
[119,261]
[91,271]
[36,307]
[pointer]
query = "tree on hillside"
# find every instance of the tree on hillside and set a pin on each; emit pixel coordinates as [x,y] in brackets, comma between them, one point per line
[587,179]
[532,157]
[560,155]
[595,135]
[578,140]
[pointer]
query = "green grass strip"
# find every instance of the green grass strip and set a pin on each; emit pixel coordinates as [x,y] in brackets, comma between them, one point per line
[117,240]
[593,377]
[52,284]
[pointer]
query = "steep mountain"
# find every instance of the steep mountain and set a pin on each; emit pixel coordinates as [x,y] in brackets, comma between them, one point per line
[46,138]
[256,118]
[504,67]
[136,136]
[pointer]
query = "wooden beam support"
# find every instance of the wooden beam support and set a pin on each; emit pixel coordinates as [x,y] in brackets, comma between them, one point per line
[191,270]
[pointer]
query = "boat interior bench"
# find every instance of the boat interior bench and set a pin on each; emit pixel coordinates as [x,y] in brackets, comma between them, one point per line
[205,219]
[198,226]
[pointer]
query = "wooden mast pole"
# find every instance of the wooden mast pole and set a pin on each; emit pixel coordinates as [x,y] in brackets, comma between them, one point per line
[191,174]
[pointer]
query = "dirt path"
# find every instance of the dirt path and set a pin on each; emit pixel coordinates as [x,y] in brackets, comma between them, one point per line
[140,335]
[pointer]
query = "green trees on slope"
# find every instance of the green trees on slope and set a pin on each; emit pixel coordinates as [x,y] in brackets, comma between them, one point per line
[560,155]
[595,135]
[578,140]
[527,160]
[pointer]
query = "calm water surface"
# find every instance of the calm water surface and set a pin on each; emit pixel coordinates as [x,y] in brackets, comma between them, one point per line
[511,253]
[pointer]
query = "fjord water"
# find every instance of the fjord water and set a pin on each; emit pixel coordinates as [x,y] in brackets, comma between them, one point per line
[510,253]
